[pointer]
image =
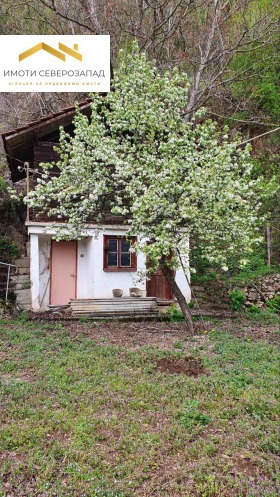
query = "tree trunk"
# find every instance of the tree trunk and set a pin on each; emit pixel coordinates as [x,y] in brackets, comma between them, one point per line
[179,296]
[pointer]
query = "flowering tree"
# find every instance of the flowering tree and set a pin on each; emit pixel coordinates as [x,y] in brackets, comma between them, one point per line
[173,180]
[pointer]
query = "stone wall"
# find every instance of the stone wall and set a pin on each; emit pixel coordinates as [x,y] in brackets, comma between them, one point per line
[262,291]
[215,294]
[3,279]
[22,283]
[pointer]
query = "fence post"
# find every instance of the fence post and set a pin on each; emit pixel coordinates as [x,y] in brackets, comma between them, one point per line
[27,189]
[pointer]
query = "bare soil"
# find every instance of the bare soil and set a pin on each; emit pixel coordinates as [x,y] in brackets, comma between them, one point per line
[175,365]
[163,335]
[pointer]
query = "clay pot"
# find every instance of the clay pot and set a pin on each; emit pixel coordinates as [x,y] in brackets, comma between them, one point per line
[135,292]
[117,292]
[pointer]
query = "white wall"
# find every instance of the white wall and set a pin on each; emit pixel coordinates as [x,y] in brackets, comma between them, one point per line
[44,270]
[180,277]
[34,272]
[104,281]
[85,268]
[183,284]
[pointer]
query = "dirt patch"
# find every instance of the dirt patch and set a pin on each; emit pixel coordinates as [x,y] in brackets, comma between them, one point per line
[245,465]
[131,336]
[161,335]
[176,365]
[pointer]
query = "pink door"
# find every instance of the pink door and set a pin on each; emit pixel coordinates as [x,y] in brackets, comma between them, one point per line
[63,272]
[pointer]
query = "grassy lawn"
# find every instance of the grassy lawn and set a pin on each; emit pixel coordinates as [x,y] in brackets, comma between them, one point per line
[82,417]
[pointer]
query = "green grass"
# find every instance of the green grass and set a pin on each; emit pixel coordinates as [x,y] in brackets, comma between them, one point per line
[82,419]
[249,275]
[262,316]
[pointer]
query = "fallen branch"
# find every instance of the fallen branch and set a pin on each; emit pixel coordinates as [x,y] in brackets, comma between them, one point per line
[260,292]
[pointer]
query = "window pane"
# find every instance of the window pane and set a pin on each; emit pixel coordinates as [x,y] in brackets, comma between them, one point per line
[112,245]
[125,245]
[125,260]
[112,259]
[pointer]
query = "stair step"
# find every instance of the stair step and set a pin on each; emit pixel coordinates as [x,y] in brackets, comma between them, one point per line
[23,270]
[23,262]
[23,296]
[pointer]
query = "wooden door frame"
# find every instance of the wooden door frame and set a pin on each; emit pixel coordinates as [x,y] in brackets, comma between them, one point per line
[76,266]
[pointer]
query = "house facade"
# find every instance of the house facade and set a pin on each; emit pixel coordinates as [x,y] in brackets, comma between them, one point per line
[88,268]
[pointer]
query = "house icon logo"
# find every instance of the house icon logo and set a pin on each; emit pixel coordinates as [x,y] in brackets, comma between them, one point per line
[60,54]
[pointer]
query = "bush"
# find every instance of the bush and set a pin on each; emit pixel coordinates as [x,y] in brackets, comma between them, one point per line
[274,304]
[173,314]
[3,184]
[8,249]
[237,299]
[253,310]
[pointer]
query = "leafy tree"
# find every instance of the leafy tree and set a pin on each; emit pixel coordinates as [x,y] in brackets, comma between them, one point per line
[173,180]
[258,95]
[219,43]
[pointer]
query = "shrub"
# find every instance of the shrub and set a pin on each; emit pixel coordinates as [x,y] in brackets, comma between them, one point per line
[254,309]
[8,249]
[173,314]
[274,303]
[23,317]
[25,285]
[237,299]
[3,184]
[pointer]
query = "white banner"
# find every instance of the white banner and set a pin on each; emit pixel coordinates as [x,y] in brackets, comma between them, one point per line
[54,63]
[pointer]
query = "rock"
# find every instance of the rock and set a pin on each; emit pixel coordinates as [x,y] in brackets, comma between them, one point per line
[23,262]
[23,285]
[23,297]
[3,309]
[7,309]
[24,307]
[252,295]
[198,289]
[23,270]
[19,278]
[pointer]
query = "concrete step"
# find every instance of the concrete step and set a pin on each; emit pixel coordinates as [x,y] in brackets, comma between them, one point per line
[19,278]
[23,297]
[23,270]
[23,262]
[24,285]
[23,307]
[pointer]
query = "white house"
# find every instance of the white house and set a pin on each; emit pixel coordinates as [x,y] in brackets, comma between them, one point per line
[89,268]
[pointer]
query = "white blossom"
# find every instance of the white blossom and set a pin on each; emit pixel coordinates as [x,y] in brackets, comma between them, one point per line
[174,180]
